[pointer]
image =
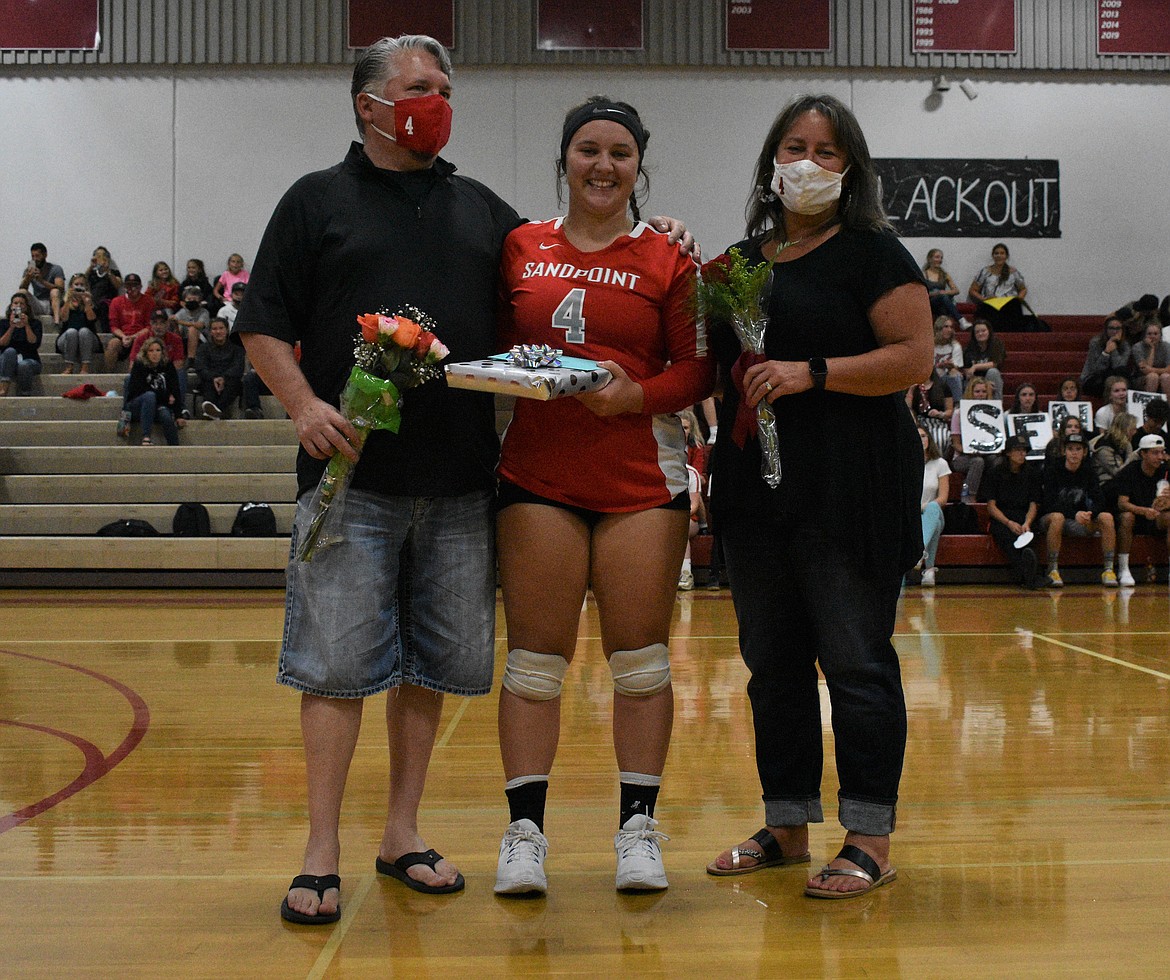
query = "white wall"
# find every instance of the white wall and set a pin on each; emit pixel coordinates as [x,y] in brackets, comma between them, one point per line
[190,163]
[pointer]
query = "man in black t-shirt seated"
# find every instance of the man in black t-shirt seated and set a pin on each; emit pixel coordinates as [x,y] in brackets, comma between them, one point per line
[1143,500]
[1013,501]
[1071,503]
[1154,424]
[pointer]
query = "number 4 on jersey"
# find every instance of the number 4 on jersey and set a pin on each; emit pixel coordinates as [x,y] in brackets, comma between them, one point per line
[570,316]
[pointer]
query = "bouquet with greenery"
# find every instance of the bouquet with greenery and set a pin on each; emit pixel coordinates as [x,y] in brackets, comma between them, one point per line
[393,353]
[732,291]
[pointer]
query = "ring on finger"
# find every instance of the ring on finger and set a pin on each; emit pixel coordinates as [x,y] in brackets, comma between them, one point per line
[768,386]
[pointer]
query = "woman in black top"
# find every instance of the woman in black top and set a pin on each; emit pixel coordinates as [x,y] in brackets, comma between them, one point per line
[152,393]
[816,563]
[20,341]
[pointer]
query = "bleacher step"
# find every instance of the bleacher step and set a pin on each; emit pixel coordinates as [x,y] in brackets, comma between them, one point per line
[100,488]
[125,458]
[47,519]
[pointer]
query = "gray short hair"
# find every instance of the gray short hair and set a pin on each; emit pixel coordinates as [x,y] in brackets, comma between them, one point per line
[378,64]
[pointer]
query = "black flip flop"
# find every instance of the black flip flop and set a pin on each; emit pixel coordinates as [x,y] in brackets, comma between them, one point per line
[430,859]
[320,884]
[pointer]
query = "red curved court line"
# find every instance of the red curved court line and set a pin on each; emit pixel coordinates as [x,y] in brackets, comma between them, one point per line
[96,764]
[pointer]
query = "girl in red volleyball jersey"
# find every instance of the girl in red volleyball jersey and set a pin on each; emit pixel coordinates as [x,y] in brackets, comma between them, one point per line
[593,488]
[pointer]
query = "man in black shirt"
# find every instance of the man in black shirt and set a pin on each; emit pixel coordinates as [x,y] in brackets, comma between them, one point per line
[1143,500]
[403,600]
[1013,501]
[1154,424]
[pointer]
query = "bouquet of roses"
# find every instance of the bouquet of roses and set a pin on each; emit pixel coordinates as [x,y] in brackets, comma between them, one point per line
[393,353]
[731,290]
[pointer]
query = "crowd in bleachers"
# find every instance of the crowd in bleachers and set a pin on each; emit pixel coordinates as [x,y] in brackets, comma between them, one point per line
[1060,493]
[102,311]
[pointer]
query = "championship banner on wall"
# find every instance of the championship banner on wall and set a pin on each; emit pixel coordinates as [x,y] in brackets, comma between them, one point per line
[937,198]
[60,25]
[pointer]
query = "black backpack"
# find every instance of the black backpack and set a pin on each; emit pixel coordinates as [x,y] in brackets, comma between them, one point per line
[128,528]
[191,521]
[254,521]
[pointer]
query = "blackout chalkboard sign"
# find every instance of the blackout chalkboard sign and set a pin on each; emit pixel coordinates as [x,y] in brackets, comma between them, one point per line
[934,198]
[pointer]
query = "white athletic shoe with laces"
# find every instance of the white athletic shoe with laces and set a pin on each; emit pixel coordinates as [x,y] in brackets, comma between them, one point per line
[639,856]
[520,870]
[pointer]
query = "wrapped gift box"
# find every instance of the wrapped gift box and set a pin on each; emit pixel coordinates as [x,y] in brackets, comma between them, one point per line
[529,372]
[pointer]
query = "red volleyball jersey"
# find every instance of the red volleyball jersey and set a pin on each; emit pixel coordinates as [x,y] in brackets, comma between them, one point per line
[632,302]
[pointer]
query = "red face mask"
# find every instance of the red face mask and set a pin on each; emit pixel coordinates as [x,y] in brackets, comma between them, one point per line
[422,124]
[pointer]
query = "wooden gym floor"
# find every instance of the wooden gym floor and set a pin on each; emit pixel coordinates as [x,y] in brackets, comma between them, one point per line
[152,805]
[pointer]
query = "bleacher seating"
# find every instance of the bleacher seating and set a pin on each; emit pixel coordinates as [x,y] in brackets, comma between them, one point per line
[64,474]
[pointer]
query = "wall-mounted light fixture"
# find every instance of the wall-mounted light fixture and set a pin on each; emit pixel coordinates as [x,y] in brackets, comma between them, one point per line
[969,89]
[941,83]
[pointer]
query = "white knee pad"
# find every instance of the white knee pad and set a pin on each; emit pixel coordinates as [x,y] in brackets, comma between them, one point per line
[640,673]
[534,676]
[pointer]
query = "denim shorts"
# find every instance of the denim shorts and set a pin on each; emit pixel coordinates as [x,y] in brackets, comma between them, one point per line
[404,594]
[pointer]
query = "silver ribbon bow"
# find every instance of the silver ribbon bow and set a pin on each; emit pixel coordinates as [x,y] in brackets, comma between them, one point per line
[533,356]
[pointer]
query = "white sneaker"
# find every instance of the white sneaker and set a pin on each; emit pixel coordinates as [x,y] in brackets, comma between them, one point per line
[928,578]
[1125,579]
[639,857]
[686,581]
[520,869]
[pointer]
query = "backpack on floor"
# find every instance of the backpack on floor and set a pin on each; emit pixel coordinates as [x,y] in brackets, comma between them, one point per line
[191,521]
[127,528]
[254,521]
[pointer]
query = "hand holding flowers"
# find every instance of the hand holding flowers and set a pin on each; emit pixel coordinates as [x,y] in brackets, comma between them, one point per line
[733,291]
[393,354]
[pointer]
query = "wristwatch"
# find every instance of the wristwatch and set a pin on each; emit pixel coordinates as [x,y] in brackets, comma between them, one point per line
[819,370]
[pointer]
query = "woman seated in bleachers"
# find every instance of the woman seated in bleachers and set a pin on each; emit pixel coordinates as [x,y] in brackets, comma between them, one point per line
[940,286]
[935,490]
[948,355]
[197,276]
[20,343]
[984,357]
[1013,501]
[970,465]
[105,282]
[1150,362]
[933,407]
[1026,400]
[1108,355]
[1117,393]
[163,288]
[152,394]
[1070,390]
[78,338]
[999,281]
[1113,448]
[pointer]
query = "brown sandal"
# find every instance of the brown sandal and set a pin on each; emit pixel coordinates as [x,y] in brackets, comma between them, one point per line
[768,856]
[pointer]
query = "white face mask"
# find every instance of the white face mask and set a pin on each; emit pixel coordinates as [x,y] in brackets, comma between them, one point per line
[805,187]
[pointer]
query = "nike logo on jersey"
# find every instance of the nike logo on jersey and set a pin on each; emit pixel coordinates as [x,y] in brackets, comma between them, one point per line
[544,247]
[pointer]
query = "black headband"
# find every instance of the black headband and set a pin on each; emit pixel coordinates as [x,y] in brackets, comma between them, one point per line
[614,112]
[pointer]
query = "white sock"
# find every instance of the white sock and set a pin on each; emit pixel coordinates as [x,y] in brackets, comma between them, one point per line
[1122,564]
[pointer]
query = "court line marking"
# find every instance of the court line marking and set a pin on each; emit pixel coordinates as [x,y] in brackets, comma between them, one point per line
[1102,656]
[452,724]
[349,913]
[97,763]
